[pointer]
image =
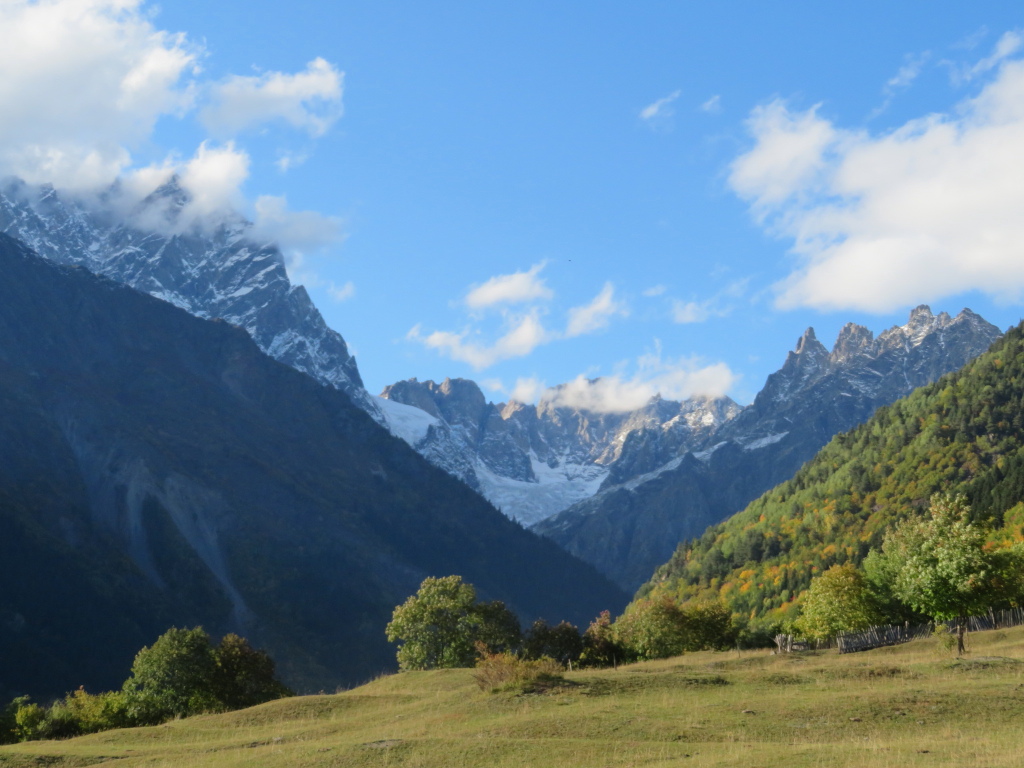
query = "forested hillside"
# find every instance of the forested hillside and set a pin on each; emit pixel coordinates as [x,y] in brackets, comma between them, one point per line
[965,433]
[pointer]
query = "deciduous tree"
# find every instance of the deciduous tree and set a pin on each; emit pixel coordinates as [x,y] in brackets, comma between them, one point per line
[942,567]
[838,601]
[441,624]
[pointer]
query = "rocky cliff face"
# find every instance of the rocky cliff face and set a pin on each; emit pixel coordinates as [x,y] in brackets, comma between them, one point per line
[532,461]
[635,522]
[215,272]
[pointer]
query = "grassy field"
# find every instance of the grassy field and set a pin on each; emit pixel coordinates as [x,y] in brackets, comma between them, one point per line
[906,706]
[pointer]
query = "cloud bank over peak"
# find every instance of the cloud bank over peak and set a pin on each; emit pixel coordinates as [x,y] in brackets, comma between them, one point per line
[671,378]
[881,221]
[84,83]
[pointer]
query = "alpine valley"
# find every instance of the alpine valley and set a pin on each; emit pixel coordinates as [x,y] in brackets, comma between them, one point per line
[158,469]
[229,468]
[620,490]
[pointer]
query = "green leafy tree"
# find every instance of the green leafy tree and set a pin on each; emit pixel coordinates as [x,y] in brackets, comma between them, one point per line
[708,626]
[941,566]
[173,678]
[497,628]
[652,629]
[29,718]
[561,642]
[437,626]
[8,723]
[600,649]
[840,600]
[244,676]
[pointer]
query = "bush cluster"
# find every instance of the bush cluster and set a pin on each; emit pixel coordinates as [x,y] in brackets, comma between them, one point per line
[499,672]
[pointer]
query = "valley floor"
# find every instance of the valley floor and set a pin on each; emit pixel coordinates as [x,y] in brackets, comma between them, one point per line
[905,706]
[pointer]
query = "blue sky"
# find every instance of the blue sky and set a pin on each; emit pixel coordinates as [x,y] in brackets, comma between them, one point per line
[664,194]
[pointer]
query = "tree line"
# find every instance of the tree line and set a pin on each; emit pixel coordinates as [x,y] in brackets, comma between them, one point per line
[939,566]
[183,673]
[444,625]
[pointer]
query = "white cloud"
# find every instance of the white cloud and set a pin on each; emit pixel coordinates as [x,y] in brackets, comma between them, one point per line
[517,288]
[596,315]
[289,160]
[309,100]
[929,210]
[903,79]
[673,379]
[1010,43]
[522,330]
[524,334]
[660,108]
[908,73]
[81,83]
[713,105]
[342,292]
[787,158]
[213,179]
[684,312]
[655,290]
[304,231]
[972,40]
[527,390]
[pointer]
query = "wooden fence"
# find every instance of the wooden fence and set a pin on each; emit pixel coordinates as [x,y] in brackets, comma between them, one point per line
[894,634]
[876,637]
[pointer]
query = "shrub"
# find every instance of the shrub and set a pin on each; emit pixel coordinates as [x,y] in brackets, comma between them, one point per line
[507,672]
[98,712]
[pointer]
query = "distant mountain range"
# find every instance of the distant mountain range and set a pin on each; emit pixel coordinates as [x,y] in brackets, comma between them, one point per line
[534,461]
[621,490]
[617,489]
[634,523]
[158,469]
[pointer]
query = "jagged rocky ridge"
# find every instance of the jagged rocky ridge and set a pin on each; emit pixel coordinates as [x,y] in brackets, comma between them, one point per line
[533,461]
[609,474]
[158,469]
[218,270]
[634,523]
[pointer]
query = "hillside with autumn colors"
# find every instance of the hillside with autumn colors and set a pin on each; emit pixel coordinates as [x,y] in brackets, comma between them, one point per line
[964,434]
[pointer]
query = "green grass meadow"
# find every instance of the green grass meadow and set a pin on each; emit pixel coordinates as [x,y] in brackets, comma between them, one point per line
[910,705]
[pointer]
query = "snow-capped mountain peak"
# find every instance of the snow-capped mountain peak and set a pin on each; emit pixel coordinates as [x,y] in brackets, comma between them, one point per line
[216,270]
